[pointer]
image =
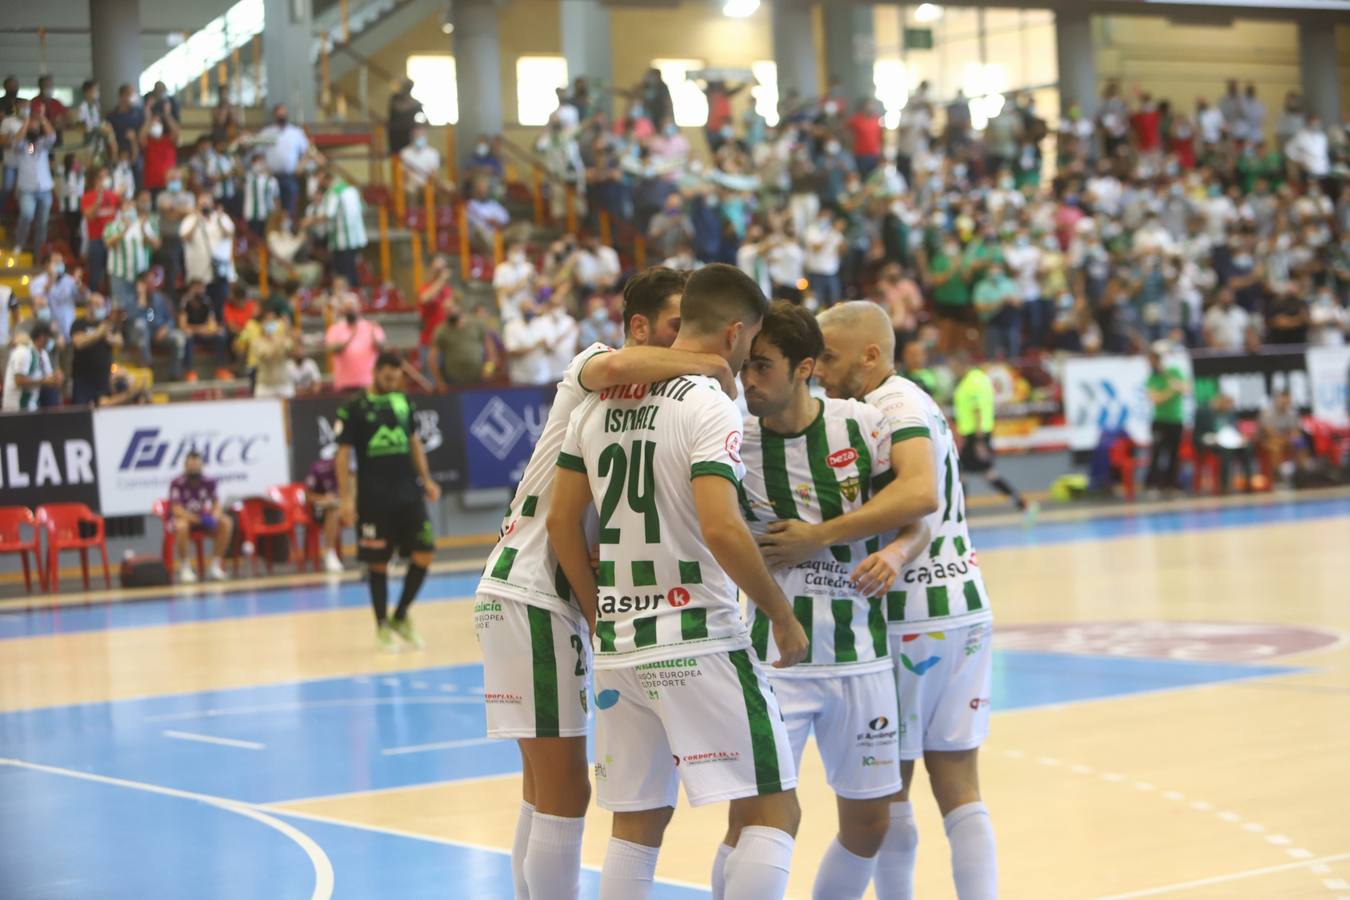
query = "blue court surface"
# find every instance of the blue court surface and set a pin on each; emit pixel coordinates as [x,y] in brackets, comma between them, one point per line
[165,796]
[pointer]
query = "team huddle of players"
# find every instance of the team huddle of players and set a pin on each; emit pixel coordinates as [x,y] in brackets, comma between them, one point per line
[650,506]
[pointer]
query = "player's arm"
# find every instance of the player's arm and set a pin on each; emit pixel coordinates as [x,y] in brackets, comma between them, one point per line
[346,484]
[643,365]
[419,458]
[731,544]
[567,536]
[907,499]
[875,574]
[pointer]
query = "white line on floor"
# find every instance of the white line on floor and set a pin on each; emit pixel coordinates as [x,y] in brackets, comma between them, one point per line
[442,745]
[1220,879]
[208,739]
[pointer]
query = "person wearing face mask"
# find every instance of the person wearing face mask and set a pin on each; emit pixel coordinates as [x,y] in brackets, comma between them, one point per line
[341,209]
[208,248]
[13,128]
[93,336]
[159,148]
[527,338]
[152,325]
[285,145]
[174,205]
[354,342]
[262,194]
[34,179]
[515,281]
[99,205]
[599,325]
[29,371]
[459,352]
[196,509]
[131,238]
[421,163]
[61,290]
[267,343]
[198,322]
[435,298]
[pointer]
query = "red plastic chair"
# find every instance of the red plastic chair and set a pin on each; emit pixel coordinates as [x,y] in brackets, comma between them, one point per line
[253,525]
[12,521]
[293,498]
[169,549]
[1121,458]
[62,523]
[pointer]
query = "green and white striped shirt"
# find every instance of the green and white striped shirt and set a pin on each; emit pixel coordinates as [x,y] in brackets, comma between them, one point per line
[662,594]
[25,360]
[823,472]
[943,588]
[346,219]
[261,195]
[131,256]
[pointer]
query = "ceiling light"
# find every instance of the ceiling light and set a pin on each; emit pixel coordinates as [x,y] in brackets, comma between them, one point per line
[740,9]
[928,12]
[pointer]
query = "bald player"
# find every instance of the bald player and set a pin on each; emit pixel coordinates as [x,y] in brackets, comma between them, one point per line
[938,612]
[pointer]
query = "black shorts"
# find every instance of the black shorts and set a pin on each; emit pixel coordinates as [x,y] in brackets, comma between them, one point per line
[403,528]
[977,454]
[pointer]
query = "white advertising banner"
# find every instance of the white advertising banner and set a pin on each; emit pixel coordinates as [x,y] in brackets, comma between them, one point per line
[1329,374]
[140,450]
[1107,393]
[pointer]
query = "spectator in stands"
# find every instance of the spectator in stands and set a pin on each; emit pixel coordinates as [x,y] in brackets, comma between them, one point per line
[262,195]
[321,493]
[899,296]
[52,110]
[421,163]
[34,179]
[526,339]
[288,258]
[159,147]
[237,313]
[29,371]
[343,212]
[159,102]
[404,110]
[198,322]
[595,267]
[998,304]
[196,510]
[208,248]
[174,204]
[563,333]
[70,192]
[865,127]
[126,118]
[825,244]
[93,337]
[1288,315]
[946,279]
[1282,439]
[266,343]
[914,366]
[354,342]
[1226,324]
[1310,150]
[669,228]
[61,290]
[1167,390]
[303,371]
[1216,430]
[9,101]
[785,260]
[285,145]
[13,133]
[130,238]
[514,280]
[1328,320]
[434,301]
[459,350]
[599,326]
[485,215]
[153,324]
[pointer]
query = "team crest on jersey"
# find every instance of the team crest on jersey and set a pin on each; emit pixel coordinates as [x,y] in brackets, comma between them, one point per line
[850,487]
[803,490]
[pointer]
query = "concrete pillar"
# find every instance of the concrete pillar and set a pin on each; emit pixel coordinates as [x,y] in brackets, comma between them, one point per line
[115,36]
[477,73]
[1077,66]
[851,47]
[288,34]
[794,48]
[1318,67]
[586,45]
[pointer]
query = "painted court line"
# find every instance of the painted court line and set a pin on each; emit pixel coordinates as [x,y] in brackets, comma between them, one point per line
[208,739]
[1232,876]
[441,745]
[323,867]
[218,712]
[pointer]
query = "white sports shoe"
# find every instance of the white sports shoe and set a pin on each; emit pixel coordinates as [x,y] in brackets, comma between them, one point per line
[216,573]
[186,574]
[331,564]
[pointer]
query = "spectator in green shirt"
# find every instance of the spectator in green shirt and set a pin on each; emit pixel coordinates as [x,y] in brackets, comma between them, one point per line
[973,402]
[459,351]
[914,358]
[998,303]
[1167,389]
[946,280]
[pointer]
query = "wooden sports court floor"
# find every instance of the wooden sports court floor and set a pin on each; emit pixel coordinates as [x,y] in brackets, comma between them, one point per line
[1172,720]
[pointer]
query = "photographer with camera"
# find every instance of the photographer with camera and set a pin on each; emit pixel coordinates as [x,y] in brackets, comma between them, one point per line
[208,249]
[94,336]
[34,179]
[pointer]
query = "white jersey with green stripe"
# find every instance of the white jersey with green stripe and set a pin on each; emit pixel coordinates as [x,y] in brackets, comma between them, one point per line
[343,209]
[131,255]
[942,588]
[522,565]
[662,594]
[825,471]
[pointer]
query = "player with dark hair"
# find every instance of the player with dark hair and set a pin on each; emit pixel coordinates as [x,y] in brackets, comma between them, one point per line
[387,499]
[535,640]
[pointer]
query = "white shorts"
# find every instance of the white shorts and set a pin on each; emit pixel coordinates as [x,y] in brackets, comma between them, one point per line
[945,679]
[535,669]
[857,729]
[710,722]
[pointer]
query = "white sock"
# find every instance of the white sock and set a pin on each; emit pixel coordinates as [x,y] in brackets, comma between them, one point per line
[843,875]
[758,868]
[628,872]
[553,861]
[719,873]
[900,849]
[974,863]
[518,845]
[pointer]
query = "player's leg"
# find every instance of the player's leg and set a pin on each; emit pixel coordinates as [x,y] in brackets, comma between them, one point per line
[858,737]
[521,841]
[418,543]
[561,792]
[332,534]
[899,850]
[375,550]
[221,544]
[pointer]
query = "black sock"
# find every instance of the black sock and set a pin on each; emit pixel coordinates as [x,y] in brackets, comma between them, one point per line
[379,595]
[1001,485]
[412,583]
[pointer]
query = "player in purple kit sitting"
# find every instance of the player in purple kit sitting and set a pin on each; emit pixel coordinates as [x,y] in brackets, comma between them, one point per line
[197,510]
[321,490]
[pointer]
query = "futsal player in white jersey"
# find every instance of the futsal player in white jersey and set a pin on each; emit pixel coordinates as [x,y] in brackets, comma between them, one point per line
[813,460]
[535,642]
[679,696]
[937,609]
